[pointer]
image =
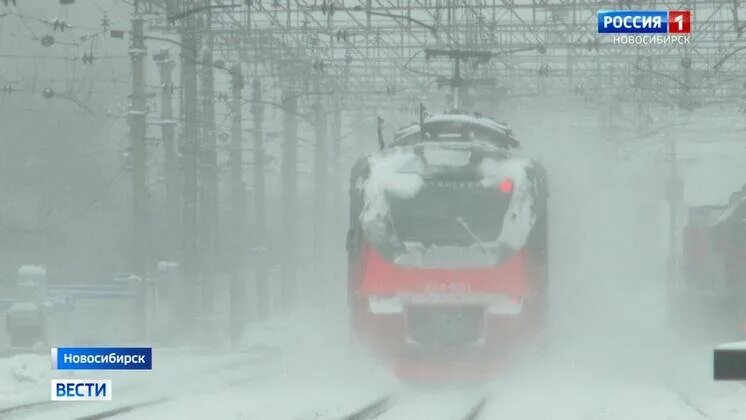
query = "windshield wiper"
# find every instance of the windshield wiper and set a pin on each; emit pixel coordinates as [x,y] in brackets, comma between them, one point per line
[473,236]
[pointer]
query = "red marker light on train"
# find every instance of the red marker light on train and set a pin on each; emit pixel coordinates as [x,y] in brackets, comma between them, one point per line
[506,185]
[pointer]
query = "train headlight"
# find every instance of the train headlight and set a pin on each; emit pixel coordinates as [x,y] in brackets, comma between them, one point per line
[385,305]
[506,305]
[447,157]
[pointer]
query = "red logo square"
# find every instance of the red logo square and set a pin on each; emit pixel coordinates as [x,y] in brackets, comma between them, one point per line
[679,21]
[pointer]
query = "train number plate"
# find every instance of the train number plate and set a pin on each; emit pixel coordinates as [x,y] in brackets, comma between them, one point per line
[447,287]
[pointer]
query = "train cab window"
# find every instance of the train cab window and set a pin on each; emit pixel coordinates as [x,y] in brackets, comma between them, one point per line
[438,216]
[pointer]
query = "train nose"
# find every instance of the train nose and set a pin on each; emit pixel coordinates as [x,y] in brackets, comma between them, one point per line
[506,305]
[445,326]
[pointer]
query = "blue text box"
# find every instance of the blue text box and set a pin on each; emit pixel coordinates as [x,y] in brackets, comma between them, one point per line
[102,358]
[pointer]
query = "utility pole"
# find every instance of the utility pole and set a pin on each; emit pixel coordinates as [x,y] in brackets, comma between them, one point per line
[209,176]
[320,172]
[238,211]
[675,184]
[139,175]
[191,263]
[569,64]
[337,182]
[208,164]
[361,133]
[260,198]
[167,123]
[337,179]
[368,8]
[675,195]
[290,200]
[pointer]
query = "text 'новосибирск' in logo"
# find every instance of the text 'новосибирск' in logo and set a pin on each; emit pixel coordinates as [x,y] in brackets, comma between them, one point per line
[646,27]
[80,389]
[102,358]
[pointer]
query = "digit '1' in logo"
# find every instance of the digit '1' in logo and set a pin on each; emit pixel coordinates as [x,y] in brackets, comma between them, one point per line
[679,21]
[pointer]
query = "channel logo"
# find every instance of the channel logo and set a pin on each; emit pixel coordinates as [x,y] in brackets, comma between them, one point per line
[672,22]
[81,389]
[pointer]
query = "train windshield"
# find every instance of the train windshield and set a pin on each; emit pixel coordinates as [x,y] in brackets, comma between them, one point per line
[455,214]
[445,225]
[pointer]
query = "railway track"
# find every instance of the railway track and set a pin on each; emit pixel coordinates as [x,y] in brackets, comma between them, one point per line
[162,400]
[689,403]
[24,407]
[125,409]
[382,405]
[476,410]
[372,410]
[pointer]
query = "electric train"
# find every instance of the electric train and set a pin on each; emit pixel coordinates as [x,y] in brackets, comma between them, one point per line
[447,247]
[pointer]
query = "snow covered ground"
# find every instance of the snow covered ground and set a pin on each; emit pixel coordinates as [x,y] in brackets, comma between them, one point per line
[303,369]
[21,376]
[25,379]
[300,367]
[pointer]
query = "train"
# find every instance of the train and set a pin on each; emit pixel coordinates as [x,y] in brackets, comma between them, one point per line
[711,283]
[447,248]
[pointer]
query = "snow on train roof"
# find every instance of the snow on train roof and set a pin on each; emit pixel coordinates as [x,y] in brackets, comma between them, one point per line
[471,119]
[739,346]
[465,119]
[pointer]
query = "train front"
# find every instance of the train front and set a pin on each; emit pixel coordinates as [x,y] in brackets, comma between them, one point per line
[447,257]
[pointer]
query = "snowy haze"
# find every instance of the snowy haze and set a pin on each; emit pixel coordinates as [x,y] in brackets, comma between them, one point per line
[612,352]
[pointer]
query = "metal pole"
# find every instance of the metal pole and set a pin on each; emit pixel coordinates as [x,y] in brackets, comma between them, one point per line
[336,175]
[320,172]
[167,123]
[675,187]
[338,183]
[569,63]
[260,197]
[456,82]
[191,263]
[209,164]
[209,210]
[238,210]
[674,192]
[140,241]
[290,201]
[368,9]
